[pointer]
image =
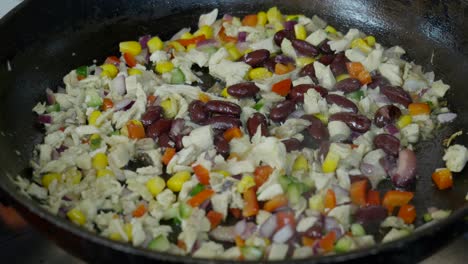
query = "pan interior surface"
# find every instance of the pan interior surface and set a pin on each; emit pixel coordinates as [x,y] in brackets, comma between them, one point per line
[44,40]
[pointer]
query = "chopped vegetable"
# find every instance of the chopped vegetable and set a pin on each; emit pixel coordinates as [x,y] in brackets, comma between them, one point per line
[250,203]
[76,216]
[177,180]
[215,218]
[130,47]
[358,192]
[330,199]
[233,132]
[283,87]
[139,211]
[168,154]
[396,198]
[275,203]
[261,174]
[327,242]
[200,197]
[407,212]
[202,174]
[415,109]
[443,178]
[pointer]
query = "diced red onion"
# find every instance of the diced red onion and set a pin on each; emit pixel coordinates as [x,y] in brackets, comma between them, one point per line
[44,119]
[205,205]
[144,41]
[341,194]
[379,98]
[180,33]
[62,148]
[289,25]
[297,114]
[269,226]
[98,71]
[241,36]
[227,17]
[122,104]
[207,43]
[240,227]
[242,46]
[331,224]
[118,85]
[405,173]
[249,230]
[223,234]
[177,127]
[392,129]
[284,234]
[55,155]
[143,57]
[367,169]
[446,117]
[50,96]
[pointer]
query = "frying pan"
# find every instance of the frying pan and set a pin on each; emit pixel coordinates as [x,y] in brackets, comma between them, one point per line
[43,40]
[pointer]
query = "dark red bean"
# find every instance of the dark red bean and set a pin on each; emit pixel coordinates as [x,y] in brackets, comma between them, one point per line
[283,59]
[370,217]
[222,146]
[348,85]
[297,93]
[355,122]
[256,120]
[327,59]
[152,114]
[317,130]
[197,111]
[243,90]
[323,149]
[305,48]
[309,70]
[338,66]
[397,95]
[280,111]
[162,126]
[178,142]
[386,114]
[378,81]
[223,107]
[292,144]
[223,122]
[315,231]
[270,64]
[405,174]
[256,58]
[164,141]
[325,48]
[342,102]
[388,143]
[280,35]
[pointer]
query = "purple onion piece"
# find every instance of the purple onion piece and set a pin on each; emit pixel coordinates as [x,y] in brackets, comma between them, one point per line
[144,41]
[223,233]
[241,36]
[370,217]
[392,129]
[98,71]
[283,59]
[240,227]
[267,229]
[207,43]
[405,173]
[44,119]
[50,96]
[284,234]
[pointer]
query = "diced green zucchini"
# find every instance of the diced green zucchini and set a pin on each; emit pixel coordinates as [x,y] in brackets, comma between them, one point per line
[344,244]
[284,181]
[357,230]
[92,98]
[177,76]
[160,243]
[252,253]
[294,192]
[53,108]
[184,210]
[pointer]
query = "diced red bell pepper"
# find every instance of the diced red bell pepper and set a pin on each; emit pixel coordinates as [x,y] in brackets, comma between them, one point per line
[130,59]
[282,87]
[202,174]
[250,203]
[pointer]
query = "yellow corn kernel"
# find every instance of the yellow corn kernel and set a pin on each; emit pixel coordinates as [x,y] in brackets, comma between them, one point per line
[224,93]
[170,108]
[261,18]
[303,61]
[104,172]
[248,50]
[177,46]
[100,161]
[322,118]
[300,164]
[76,216]
[331,162]
[278,26]
[92,118]
[109,70]
[134,71]
[204,97]
[177,180]
[403,121]
[115,236]
[48,178]
[245,183]
[204,30]
[361,44]
[292,17]
[186,35]
[128,228]
[223,172]
[132,47]
[330,29]
[164,66]
[234,53]
[259,73]
[274,15]
[155,185]
[370,40]
[191,47]
[73,175]
[300,31]
[316,203]
[342,77]
[154,44]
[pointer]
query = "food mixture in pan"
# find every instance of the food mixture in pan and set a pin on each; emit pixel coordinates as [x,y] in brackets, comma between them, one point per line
[256,137]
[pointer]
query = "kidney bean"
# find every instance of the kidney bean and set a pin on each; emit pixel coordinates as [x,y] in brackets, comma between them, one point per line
[164,141]
[355,122]
[223,107]
[317,130]
[370,217]
[197,111]
[162,126]
[405,174]
[315,231]
[324,47]
[305,48]
[327,59]
[323,149]
[280,111]
[243,90]
[256,58]
[283,59]
[338,66]
[280,35]
[309,70]
[297,92]
[386,114]
[378,80]
[348,85]
[388,143]
[397,95]
[223,122]
[152,114]
[222,146]
[256,120]
[292,144]
[341,101]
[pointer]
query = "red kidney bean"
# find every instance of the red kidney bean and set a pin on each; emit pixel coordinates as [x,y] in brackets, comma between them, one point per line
[323,149]
[292,144]
[397,95]
[338,66]
[309,70]
[324,47]
[355,122]
[317,130]
[327,59]
[162,126]
[405,174]
[270,64]
[223,107]
[256,120]
[243,90]
[223,122]
[256,58]
[348,85]
[152,114]
[283,59]
[297,93]
[378,80]
[341,101]
[305,48]
[280,111]
[386,114]
[197,111]
[222,145]
[388,143]
[164,141]
[280,35]
[370,217]
[178,142]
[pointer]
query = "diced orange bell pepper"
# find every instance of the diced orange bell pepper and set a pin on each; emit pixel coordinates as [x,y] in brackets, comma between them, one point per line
[364,77]
[358,192]
[330,199]
[285,218]
[194,40]
[357,70]
[250,20]
[203,97]
[239,241]
[112,60]
[139,211]
[200,197]
[202,174]
[373,197]
[283,69]
[181,244]
[396,198]
[167,156]
[225,38]
[135,130]
[407,212]
[282,87]
[250,203]
[150,100]
[107,104]
[275,203]
[328,241]
[233,132]
[215,218]
[130,59]
[419,109]
[261,174]
[443,179]
[236,212]
[307,241]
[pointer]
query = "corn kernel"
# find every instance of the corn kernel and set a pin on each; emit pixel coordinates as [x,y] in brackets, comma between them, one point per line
[155,185]
[278,26]
[292,17]
[48,178]
[104,172]
[245,183]
[204,30]
[224,93]
[300,164]
[73,175]
[403,121]
[322,118]
[259,73]
[331,162]
[361,44]
[300,32]
[177,46]
[330,29]
[316,203]
[223,172]
[76,216]
[134,71]
[342,77]
[115,236]
[248,50]
[261,18]
[177,180]
[274,15]
[303,61]
[92,118]
[370,40]
[170,108]
[204,97]
[186,35]
[100,161]
[234,53]
[128,228]
[132,47]
[191,47]
[164,66]
[109,70]
[155,44]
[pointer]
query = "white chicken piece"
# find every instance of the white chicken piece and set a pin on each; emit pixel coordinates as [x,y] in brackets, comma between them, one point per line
[342,214]
[378,173]
[392,72]
[456,157]
[201,137]
[338,131]
[198,57]
[278,251]
[314,103]
[120,118]
[55,139]
[267,44]
[159,56]
[208,19]
[229,71]
[439,88]
[317,37]
[291,127]
[270,151]
[120,155]
[288,49]
[324,75]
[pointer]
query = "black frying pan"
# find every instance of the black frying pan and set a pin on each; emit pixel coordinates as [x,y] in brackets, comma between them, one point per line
[39,39]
